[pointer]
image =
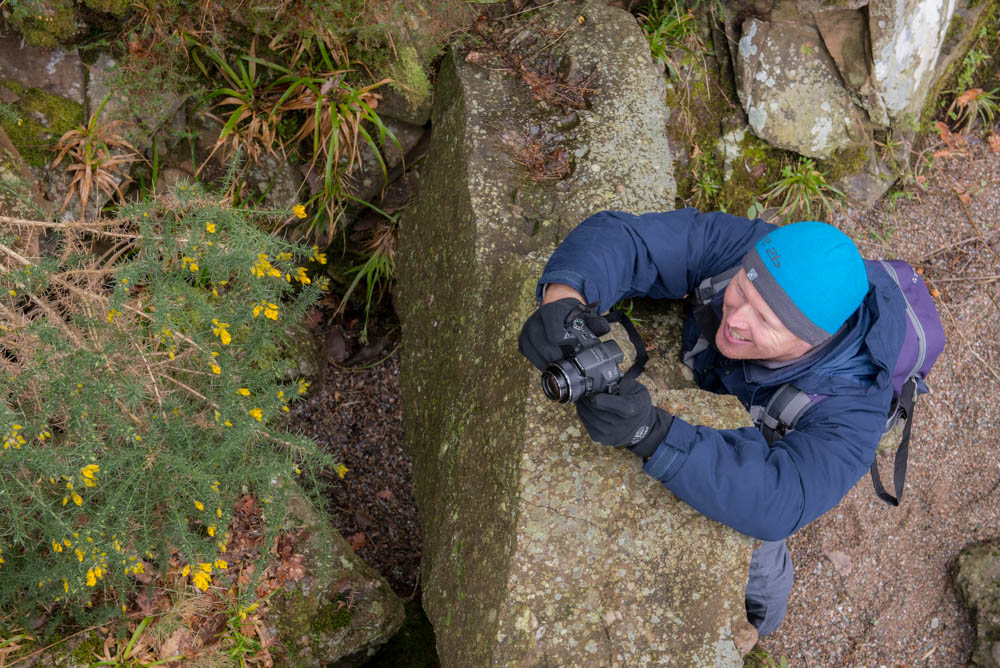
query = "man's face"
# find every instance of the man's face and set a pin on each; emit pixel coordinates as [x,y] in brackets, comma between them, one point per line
[750,330]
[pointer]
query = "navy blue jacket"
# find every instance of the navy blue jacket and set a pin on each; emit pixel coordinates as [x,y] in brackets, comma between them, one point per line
[733,475]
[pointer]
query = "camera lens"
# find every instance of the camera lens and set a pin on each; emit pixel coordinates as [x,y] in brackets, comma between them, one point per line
[555,384]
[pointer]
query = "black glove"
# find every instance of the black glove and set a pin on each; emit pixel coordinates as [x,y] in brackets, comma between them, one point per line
[546,328]
[627,418]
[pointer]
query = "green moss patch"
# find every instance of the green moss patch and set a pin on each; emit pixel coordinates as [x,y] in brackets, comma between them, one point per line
[30,136]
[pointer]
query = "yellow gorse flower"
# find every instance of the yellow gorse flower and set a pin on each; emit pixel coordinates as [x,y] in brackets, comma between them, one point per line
[199,505]
[256,414]
[244,391]
[210,227]
[300,275]
[299,211]
[340,469]
[220,331]
[270,310]
[201,580]
[263,267]
[319,257]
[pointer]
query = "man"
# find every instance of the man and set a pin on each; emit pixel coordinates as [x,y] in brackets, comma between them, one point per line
[801,309]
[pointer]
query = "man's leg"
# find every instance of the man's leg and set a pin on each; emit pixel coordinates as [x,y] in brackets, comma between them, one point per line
[770,582]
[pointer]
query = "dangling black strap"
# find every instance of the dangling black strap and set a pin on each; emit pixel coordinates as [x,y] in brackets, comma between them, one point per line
[641,356]
[906,400]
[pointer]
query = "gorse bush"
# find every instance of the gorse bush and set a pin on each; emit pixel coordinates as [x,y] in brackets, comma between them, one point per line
[145,365]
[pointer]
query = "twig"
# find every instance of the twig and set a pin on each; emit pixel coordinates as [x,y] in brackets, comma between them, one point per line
[975,227]
[191,390]
[156,389]
[528,9]
[538,51]
[48,647]
[985,279]
[947,311]
[944,248]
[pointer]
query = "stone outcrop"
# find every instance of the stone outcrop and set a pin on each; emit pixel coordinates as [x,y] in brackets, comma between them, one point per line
[333,605]
[977,580]
[906,41]
[541,547]
[791,90]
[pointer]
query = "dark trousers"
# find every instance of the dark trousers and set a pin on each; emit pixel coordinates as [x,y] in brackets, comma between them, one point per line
[768,586]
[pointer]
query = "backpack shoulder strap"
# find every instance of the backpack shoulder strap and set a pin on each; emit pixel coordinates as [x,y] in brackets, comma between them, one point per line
[712,286]
[782,412]
[906,400]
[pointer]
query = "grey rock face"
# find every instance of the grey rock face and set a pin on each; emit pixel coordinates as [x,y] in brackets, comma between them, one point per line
[906,39]
[977,580]
[541,547]
[791,90]
[53,70]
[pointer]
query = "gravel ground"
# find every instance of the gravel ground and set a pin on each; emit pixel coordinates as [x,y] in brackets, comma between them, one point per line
[887,598]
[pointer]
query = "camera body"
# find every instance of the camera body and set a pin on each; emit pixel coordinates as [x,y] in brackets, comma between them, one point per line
[589,366]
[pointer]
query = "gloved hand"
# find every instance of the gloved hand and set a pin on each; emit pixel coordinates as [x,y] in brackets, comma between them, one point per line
[545,329]
[627,418]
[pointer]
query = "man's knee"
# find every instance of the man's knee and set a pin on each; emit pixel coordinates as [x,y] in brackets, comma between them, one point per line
[768,586]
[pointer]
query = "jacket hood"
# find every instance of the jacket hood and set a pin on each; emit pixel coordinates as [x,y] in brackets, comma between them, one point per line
[876,330]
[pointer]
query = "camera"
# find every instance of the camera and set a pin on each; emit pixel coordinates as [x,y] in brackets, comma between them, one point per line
[590,365]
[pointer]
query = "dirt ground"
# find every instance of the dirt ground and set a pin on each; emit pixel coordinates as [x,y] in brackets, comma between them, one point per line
[873,584]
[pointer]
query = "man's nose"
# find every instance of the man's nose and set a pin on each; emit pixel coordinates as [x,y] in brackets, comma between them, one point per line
[740,316]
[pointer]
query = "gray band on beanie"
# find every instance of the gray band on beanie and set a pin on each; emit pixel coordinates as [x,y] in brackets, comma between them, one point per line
[790,315]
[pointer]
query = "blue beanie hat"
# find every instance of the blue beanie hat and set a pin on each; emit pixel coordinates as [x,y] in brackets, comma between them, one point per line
[811,275]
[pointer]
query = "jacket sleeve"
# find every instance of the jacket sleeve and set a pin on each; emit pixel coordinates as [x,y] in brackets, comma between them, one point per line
[735,478]
[613,255]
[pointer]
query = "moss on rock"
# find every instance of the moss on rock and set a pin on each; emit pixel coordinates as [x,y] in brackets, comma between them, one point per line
[45,24]
[42,118]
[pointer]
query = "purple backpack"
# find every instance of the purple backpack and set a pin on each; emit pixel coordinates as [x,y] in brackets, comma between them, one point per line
[922,344]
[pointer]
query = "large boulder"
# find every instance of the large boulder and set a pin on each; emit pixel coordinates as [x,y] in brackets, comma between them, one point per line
[541,547]
[791,90]
[977,579]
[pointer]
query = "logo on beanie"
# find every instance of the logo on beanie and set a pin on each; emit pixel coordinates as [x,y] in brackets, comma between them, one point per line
[752,274]
[775,258]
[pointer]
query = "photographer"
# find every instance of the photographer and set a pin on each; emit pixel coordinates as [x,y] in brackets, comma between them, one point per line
[801,308]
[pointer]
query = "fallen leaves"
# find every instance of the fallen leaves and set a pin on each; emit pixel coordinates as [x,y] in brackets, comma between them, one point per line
[994,141]
[292,569]
[952,141]
[962,193]
[357,540]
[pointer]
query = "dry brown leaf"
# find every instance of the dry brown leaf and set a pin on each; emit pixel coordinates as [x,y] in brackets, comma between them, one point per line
[695,152]
[292,569]
[386,494]
[177,643]
[357,540]
[994,140]
[968,96]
